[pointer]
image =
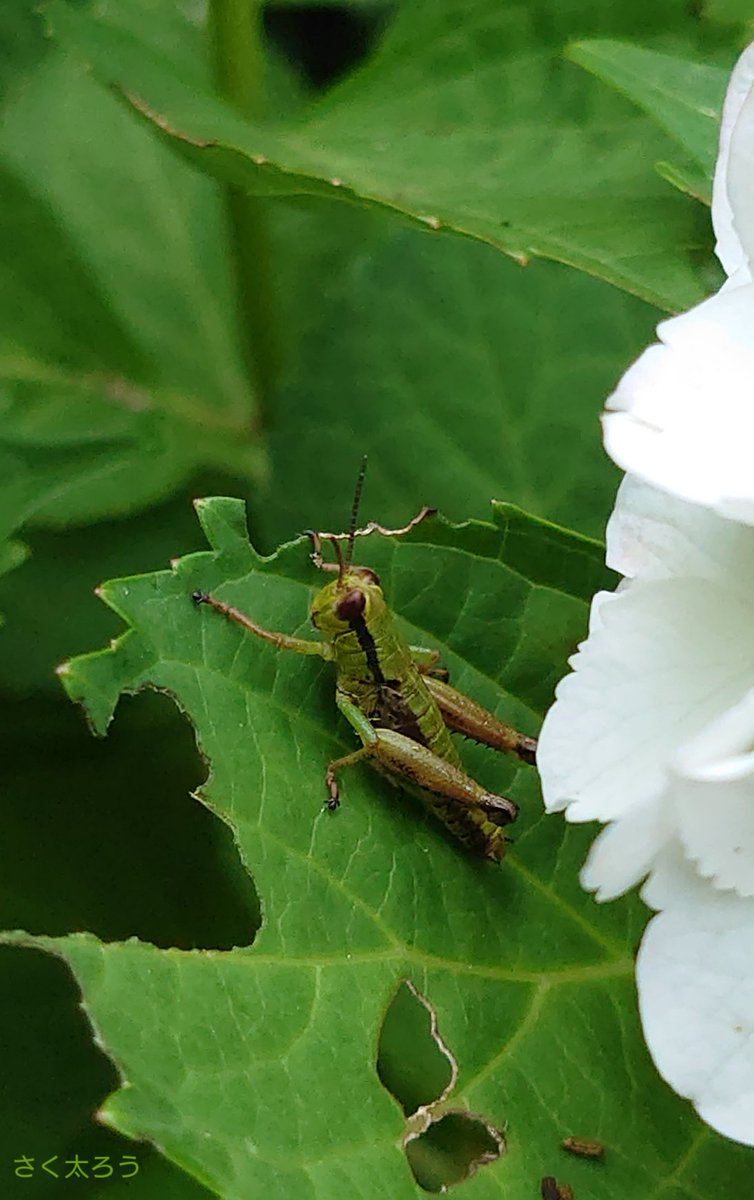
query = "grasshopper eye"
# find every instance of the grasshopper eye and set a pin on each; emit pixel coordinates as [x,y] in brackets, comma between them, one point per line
[350,606]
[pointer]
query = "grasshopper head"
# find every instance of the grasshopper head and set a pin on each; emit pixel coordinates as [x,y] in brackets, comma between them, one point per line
[354,598]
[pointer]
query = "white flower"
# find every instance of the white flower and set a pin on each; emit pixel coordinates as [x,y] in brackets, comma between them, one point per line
[682,417]
[653,733]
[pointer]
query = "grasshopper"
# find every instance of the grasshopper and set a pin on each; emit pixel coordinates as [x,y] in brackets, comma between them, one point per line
[396,697]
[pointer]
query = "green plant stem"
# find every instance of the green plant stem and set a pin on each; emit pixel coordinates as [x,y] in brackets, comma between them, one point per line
[235,28]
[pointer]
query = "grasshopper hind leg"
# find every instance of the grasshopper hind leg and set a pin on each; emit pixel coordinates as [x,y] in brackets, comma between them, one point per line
[463,715]
[473,814]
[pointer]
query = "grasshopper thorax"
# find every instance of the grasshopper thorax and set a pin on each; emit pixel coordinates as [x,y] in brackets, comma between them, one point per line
[352,600]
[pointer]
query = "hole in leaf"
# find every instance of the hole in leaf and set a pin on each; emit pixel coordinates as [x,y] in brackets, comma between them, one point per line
[419,1071]
[413,1062]
[451,1150]
[123,849]
[55,1077]
[53,1074]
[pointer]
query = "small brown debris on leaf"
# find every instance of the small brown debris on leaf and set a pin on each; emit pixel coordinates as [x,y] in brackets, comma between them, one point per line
[550,1189]
[584,1147]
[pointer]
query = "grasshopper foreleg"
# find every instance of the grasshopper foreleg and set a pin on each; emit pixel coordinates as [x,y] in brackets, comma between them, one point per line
[400,755]
[331,783]
[283,641]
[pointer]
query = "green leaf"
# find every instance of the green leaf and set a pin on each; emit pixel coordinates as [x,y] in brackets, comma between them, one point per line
[51,609]
[412,1063]
[731,12]
[369,4]
[12,555]
[52,1074]
[157,1180]
[110,394]
[690,180]
[255,1069]
[462,376]
[432,326]
[87,864]
[80,432]
[22,42]
[464,127]
[450,1150]
[75,814]
[75,448]
[51,306]
[685,98]
[53,1080]
[148,228]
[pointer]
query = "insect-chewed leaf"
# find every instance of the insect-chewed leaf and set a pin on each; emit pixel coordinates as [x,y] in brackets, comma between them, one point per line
[256,1069]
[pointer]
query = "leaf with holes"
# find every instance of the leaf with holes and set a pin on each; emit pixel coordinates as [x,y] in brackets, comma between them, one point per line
[256,1069]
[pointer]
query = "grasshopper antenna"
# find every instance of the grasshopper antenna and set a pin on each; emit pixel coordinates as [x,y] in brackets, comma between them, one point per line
[316,539]
[345,564]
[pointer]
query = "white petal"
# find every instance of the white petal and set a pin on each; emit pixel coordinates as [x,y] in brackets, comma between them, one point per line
[651,535]
[739,172]
[712,787]
[695,974]
[682,417]
[663,661]
[624,851]
[725,193]
[673,875]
